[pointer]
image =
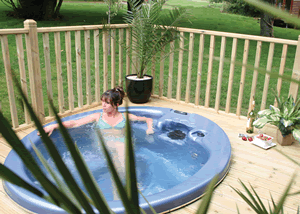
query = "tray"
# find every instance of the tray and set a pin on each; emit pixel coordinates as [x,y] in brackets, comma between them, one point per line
[262,143]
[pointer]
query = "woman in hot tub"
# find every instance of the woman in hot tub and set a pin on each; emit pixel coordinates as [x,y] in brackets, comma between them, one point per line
[111,122]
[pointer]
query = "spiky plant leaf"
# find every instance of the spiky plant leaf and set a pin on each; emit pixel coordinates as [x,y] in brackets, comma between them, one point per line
[255,203]
[279,206]
[259,200]
[57,178]
[152,209]
[131,178]
[87,178]
[57,197]
[202,209]
[8,175]
[245,199]
[129,207]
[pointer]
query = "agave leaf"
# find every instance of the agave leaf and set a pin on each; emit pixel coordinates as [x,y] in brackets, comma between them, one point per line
[61,166]
[264,210]
[13,178]
[86,176]
[279,206]
[202,209]
[261,122]
[152,209]
[59,198]
[58,179]
[255,203]
[245,199]
[131,178]
[129,207]
[237,208]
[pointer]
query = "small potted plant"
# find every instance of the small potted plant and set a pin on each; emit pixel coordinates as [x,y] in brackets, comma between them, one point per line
[148,39]
[286,117]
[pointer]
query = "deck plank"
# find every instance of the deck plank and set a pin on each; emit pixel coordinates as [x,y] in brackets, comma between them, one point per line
[267,171]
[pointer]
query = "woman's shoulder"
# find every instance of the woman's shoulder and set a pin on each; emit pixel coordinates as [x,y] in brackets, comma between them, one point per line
[96,116]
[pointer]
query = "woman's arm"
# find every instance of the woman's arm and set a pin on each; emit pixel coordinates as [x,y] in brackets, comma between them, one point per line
[73,123]
[149,122]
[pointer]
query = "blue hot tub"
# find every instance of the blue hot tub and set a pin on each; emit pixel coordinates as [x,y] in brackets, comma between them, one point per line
[174,165]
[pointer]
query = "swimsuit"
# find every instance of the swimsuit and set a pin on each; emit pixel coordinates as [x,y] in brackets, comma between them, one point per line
[104,125]
[109,134]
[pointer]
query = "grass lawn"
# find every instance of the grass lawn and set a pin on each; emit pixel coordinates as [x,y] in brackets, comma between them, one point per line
[202,17]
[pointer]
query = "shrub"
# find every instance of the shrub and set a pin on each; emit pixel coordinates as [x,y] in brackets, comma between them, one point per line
[240,7]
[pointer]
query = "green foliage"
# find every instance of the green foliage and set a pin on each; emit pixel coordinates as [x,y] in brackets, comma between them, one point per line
[255,202]
[240,7]
[215,1]
[148,39]
[34,9]
[286,117]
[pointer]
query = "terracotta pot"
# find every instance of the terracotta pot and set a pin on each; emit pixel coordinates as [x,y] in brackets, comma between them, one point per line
[286,140]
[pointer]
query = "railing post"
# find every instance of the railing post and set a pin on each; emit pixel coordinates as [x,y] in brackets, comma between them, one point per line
[296,72]
[33,57]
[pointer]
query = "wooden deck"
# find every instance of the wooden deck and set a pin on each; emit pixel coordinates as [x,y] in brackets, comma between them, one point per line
[267,170]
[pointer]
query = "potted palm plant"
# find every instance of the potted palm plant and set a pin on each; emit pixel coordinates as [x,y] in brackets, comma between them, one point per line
[286,117]
[147,40]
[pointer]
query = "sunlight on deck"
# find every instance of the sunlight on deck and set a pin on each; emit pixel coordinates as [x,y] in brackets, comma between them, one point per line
[267,170]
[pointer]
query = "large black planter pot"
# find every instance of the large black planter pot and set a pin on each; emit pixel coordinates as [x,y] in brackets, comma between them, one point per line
[138,90]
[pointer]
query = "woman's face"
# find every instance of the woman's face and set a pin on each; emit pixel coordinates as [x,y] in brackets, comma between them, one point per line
[107,107]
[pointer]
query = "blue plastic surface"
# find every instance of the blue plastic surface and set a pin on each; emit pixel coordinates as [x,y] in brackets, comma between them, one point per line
[198,129]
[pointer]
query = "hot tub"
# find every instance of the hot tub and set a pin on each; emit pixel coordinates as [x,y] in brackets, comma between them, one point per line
[174,165]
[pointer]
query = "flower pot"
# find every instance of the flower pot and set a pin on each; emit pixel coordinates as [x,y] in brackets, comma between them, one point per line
[139,89]
[286,140]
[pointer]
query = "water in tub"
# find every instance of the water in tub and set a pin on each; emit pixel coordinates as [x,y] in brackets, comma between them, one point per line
[161,162]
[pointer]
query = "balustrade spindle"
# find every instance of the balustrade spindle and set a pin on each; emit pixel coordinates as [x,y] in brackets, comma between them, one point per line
[21,61]
[255,73]
[69,70]
[267,76]
[97,66]
[231,74]
[199,70]
[189,71]
[209,71]
[78,68]
[9,81]
[221,65]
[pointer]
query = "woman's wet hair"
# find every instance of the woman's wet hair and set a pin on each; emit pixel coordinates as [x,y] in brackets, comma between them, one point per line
[114,96]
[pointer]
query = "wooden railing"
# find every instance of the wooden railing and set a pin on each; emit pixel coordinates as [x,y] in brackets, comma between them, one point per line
[198,75]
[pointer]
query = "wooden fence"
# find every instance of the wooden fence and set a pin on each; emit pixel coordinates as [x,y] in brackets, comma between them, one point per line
[204,74]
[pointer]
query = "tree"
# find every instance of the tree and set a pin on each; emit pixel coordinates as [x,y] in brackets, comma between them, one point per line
[133,5]
[35,9]
[266,23]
